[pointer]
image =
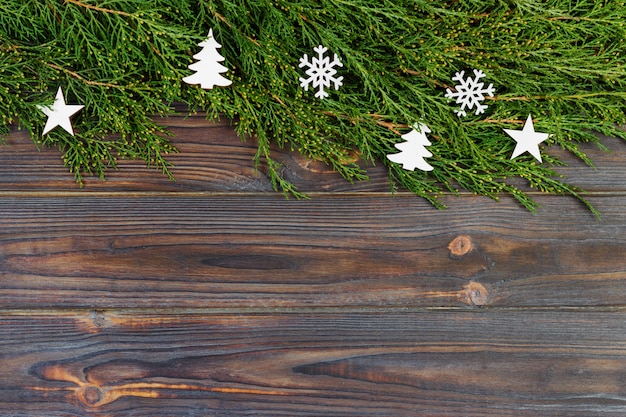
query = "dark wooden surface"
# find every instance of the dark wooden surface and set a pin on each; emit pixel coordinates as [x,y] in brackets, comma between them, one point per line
[215,296]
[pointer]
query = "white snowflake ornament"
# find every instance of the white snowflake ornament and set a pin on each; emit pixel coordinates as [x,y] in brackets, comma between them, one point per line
[414,149]
[321,72]
[59,113]
[208,68]
[470,93]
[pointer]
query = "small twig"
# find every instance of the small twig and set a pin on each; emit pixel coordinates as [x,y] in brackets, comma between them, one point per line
[230,26]
[103,10]
[519,98]
[278,99]
[56,15]
[99,9]
[79,77]
[392,126]
[512,121]
[222,18]
[575,18]
[421,74]
[571,96]
[376,117]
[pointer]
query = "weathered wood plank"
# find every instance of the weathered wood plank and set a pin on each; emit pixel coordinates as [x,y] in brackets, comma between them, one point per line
[429,363]
[607,175]
[213,158]
[262,251]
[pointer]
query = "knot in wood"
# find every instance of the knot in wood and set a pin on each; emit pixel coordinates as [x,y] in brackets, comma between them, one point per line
[476,294]
[99,320]
[92,396]
[460,246]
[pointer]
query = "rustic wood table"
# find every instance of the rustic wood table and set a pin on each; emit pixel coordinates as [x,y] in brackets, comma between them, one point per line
[215,296]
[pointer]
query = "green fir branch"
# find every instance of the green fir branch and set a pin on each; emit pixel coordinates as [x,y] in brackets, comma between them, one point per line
[561,61]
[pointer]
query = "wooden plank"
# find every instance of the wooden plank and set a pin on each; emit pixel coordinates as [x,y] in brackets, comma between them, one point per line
[261,251]
[607,174]
[213,158]
[412,363]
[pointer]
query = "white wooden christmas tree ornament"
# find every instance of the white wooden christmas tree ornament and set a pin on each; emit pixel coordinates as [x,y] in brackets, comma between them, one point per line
[413,151]
[208,68]
[59,113]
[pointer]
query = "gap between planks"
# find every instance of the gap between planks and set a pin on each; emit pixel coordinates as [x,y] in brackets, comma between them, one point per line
[311,195]
[304,310]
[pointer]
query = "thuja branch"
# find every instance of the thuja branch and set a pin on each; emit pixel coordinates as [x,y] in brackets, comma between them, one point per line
[564,63]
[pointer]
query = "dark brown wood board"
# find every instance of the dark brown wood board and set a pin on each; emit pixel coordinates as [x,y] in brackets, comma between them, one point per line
[411,362]
[214,295]
[255,251]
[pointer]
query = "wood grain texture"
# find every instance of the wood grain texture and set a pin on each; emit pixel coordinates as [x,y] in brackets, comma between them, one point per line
[214,296]
[257,251]
[211,158]
[428,363]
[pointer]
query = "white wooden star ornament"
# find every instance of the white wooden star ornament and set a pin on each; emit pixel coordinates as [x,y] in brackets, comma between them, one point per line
[527,139]
[59,114]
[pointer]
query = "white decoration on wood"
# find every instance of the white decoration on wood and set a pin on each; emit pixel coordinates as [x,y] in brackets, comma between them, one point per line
[470,92]
[527,139]
[208,68]
[414,149]
[321,72]
[59,113]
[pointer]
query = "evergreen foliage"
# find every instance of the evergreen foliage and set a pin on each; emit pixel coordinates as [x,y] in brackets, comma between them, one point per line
[560,60]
